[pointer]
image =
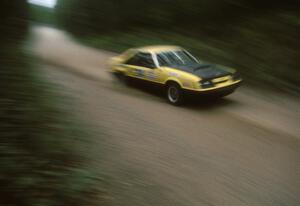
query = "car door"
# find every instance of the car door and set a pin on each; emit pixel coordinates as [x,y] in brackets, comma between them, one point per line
[142,66]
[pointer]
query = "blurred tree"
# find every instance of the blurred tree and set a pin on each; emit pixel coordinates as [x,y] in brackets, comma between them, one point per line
[107,15]
[37,165]
[13,16]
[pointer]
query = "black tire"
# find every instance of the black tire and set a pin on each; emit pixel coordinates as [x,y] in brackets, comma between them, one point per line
[123,78]
[174,94]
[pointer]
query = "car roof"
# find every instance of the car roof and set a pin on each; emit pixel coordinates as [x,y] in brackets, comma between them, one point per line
[158,48]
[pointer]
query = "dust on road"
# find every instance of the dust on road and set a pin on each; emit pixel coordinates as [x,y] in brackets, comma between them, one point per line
[243,150]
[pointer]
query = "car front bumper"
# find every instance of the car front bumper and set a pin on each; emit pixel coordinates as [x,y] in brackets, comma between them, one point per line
[220,91]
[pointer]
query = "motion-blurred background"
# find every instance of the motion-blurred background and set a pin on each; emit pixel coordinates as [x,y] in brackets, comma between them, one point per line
[259,38]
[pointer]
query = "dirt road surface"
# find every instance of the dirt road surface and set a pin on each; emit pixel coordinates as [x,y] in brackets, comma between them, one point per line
[243,150]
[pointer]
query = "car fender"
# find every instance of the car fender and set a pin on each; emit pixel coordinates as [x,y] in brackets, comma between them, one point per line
[173,79]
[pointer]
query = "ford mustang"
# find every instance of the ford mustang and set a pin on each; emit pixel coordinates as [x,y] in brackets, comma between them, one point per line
[176,70]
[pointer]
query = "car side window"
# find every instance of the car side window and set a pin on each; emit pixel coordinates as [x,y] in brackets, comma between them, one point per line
[142,59]
[133,60]
[161,61]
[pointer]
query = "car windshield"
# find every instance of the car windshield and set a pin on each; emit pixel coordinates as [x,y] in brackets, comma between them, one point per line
[175,58]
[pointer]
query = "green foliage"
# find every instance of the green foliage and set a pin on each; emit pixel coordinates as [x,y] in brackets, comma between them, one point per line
[42,15]
[13,17]
[199,15]
[40,158]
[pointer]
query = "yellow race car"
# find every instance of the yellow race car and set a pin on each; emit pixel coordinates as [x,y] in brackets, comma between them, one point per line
[176,70]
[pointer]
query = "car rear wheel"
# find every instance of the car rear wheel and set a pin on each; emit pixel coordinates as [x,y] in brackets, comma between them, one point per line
[174,94]
[123,78]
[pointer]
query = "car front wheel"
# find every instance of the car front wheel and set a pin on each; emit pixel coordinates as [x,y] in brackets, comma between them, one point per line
[174,94]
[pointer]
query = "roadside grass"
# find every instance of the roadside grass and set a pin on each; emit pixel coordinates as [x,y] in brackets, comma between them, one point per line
[41,156]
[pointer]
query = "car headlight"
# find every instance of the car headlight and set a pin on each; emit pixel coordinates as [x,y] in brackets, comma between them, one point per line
[235,76]
[206,83]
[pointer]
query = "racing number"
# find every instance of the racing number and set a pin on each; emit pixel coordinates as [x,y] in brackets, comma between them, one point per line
[138,72]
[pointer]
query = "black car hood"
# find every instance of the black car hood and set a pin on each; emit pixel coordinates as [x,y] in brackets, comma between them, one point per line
[204,71]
